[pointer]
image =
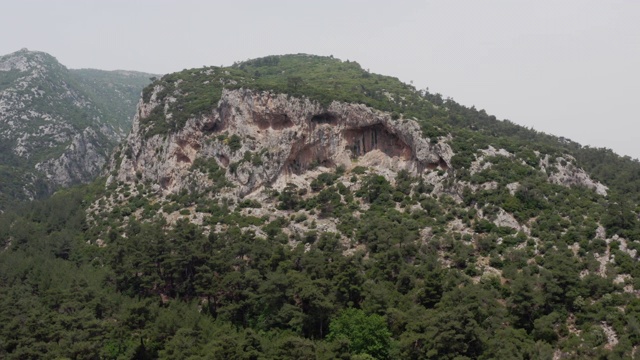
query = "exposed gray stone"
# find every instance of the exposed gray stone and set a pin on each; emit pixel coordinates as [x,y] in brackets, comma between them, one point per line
[284,137]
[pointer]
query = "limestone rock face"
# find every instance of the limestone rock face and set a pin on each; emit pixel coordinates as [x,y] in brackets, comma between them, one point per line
[79,163]
[505,219]
[567,174]
[267,139]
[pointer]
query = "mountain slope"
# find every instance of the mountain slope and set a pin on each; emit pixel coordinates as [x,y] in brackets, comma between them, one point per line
[302,149]
[58,126]
[300,207]
[116,92]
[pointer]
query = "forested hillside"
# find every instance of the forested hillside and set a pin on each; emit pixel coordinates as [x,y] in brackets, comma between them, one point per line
[301,207]
[58,126]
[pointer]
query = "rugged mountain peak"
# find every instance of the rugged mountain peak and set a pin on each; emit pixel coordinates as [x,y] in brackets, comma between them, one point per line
[266,139]
[57,126]
[25,60]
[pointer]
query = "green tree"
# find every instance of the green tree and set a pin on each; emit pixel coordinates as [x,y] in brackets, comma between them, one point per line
[367,334]
[294,82]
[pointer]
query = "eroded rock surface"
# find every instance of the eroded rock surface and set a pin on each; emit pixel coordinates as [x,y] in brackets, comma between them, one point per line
[565,173]
[261,137]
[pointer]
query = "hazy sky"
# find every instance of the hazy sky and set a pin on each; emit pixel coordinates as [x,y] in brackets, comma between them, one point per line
[569,68]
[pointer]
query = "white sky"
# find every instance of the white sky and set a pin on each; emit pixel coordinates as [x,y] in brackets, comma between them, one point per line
[566,67]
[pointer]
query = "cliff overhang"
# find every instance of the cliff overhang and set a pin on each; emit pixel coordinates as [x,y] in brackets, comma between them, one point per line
[261,138]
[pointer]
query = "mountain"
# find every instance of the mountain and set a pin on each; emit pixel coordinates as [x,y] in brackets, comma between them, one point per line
[57,126]
[301,207]
[116,92]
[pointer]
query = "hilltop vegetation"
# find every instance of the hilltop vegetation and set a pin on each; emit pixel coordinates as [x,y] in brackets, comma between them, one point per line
[322,79]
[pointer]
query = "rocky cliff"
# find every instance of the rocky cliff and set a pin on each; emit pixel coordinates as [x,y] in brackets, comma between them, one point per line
[254,142]
[268,139]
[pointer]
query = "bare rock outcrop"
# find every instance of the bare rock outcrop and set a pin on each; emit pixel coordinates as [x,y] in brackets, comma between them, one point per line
[504,219]
[79,163]
[260,137]
[565,173]
[479,164]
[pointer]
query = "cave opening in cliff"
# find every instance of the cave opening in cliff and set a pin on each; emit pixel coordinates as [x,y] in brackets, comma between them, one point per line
[273,121]
[443,164]
[211,127]
[308,158]
[166,182]
[324,118]
[368,138]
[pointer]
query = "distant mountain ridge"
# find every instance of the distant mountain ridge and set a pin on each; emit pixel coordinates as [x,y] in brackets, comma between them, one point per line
[57,126]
